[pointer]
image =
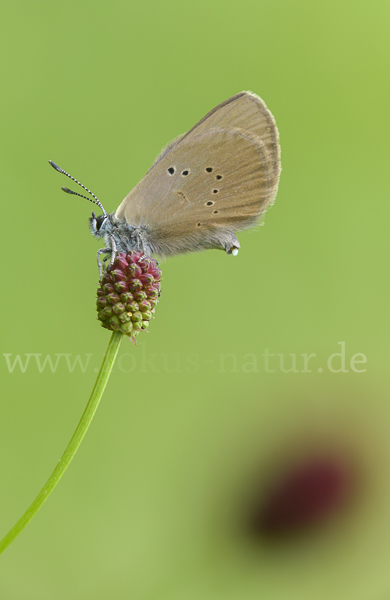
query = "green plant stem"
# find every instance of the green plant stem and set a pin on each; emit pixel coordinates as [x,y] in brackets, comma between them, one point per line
[74,443]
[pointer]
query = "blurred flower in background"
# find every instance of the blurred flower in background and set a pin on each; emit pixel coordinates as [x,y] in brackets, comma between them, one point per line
[300,496]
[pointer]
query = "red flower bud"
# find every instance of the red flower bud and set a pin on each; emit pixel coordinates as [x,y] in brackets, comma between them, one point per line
[128,293]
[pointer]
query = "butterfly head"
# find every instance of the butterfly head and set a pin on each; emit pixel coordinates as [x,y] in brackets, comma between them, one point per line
[99,225]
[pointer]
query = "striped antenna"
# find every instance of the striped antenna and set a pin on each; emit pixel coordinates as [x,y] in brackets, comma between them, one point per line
[68,191]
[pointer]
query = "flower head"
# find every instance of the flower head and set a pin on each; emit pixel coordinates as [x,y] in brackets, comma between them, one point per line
[128,293]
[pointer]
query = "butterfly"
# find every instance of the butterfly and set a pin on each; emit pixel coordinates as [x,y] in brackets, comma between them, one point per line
[206,185]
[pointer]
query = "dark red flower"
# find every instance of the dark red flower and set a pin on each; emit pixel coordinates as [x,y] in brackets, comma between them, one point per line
[128,293]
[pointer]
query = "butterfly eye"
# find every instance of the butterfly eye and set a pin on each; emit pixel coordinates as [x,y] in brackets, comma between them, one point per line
[99,222]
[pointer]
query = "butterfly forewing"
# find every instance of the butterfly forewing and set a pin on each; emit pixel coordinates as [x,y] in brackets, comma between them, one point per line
[216,179]
[245,111]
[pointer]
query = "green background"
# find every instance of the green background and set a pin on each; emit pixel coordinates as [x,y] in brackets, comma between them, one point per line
[149,509]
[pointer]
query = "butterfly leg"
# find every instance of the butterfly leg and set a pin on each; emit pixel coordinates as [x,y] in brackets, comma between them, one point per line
[113,249]
[142,244]
[99,262]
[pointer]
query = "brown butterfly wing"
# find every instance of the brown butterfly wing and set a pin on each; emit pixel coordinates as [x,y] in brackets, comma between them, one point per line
[216,179]
[245,110]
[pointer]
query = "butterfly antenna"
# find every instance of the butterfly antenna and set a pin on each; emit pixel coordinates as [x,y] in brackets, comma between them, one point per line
[68,191]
